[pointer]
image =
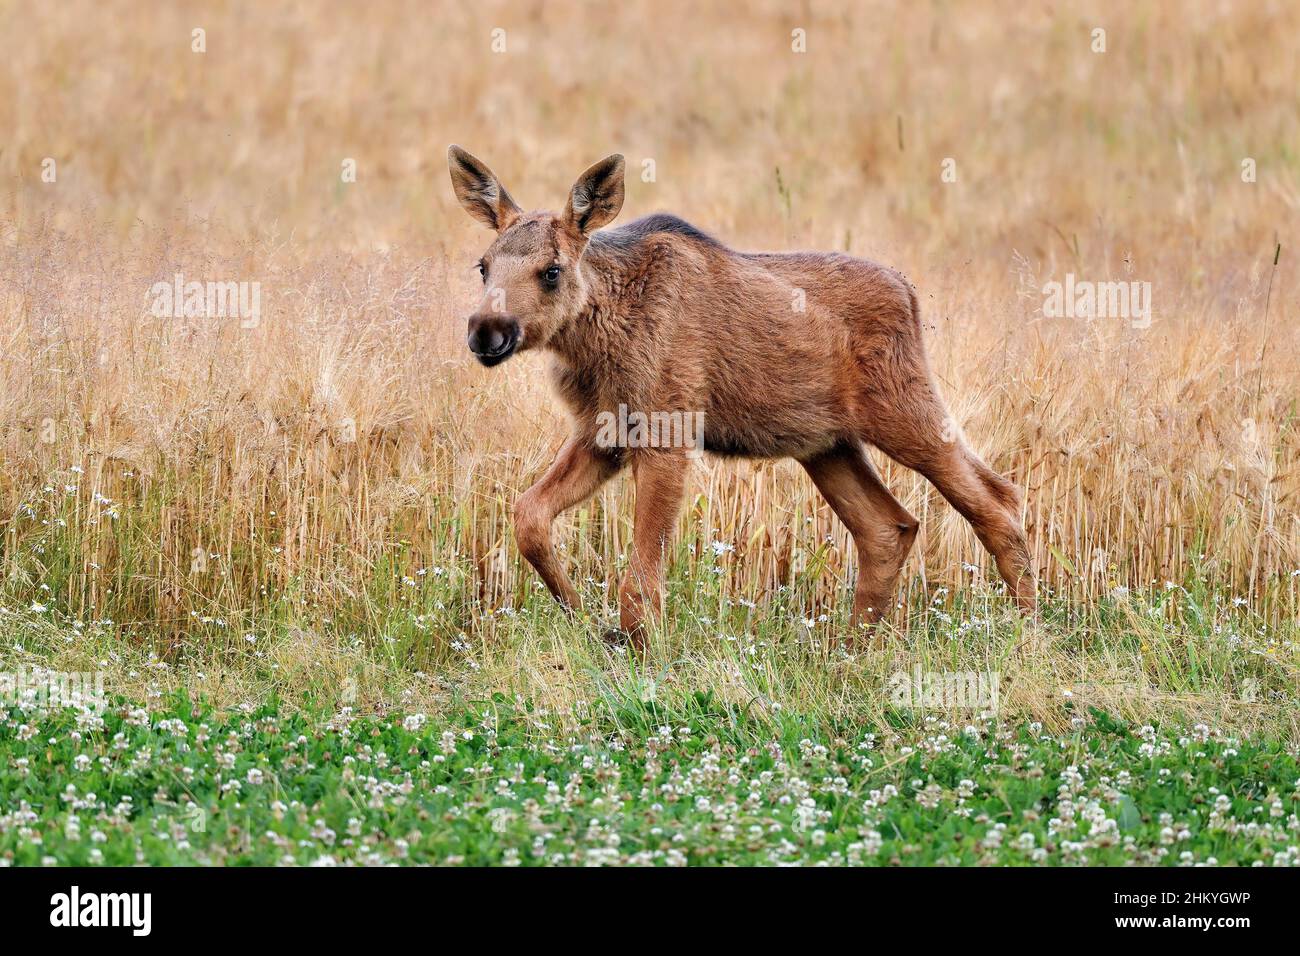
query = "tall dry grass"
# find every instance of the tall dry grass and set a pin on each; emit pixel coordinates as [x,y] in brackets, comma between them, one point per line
[308,465]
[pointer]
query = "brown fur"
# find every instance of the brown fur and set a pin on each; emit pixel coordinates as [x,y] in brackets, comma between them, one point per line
[657,316]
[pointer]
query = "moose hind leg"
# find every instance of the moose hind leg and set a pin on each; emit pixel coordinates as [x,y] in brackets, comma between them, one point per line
[883,530]
[985,499]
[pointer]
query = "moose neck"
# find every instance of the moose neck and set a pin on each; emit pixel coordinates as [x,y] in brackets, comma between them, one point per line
[601,328]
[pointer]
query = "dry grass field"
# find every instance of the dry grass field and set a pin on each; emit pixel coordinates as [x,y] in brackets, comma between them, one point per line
[317,501]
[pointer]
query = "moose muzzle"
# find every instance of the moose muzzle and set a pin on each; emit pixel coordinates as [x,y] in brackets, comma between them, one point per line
[493,338]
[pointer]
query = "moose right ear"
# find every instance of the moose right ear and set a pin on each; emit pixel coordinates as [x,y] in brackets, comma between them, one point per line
[597,196]
[480,192]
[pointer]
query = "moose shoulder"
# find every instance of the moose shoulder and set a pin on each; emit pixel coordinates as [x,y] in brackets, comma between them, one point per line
[655,327]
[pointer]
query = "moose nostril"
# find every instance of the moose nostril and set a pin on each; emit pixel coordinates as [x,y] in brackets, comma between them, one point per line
[492,336]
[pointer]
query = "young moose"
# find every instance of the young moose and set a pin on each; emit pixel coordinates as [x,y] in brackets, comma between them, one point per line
[807,355]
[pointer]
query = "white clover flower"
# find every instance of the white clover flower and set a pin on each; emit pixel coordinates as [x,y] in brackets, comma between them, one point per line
[415,722]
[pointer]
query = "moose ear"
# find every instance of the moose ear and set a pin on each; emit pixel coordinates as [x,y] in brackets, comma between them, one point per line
[597,196]
[480,192]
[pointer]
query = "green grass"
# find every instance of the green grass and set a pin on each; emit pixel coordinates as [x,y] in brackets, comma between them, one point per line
[749,735]
[628,782]
[86,584]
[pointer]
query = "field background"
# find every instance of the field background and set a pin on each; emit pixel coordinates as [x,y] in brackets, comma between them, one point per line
[319,505]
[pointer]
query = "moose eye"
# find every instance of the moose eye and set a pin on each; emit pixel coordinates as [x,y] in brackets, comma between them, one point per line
[551,275]
[482,270]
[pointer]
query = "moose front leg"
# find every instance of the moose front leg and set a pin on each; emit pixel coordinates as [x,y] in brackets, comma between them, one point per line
[660,485]
[575,475]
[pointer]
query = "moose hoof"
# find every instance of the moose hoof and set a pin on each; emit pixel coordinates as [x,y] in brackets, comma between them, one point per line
[615,637]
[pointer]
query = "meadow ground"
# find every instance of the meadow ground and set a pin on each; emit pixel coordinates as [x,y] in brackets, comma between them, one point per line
[298,520]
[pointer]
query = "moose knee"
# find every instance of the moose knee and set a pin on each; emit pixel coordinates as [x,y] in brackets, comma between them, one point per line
[900,536]
[1000,534]
[532,530]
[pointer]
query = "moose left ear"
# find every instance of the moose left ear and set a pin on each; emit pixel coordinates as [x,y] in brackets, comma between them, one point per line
[596,197]
[479,190]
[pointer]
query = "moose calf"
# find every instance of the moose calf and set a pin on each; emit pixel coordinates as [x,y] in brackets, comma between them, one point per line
[804,355]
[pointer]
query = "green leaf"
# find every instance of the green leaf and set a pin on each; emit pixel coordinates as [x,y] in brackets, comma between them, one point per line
[1065,562]
[1129,817]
